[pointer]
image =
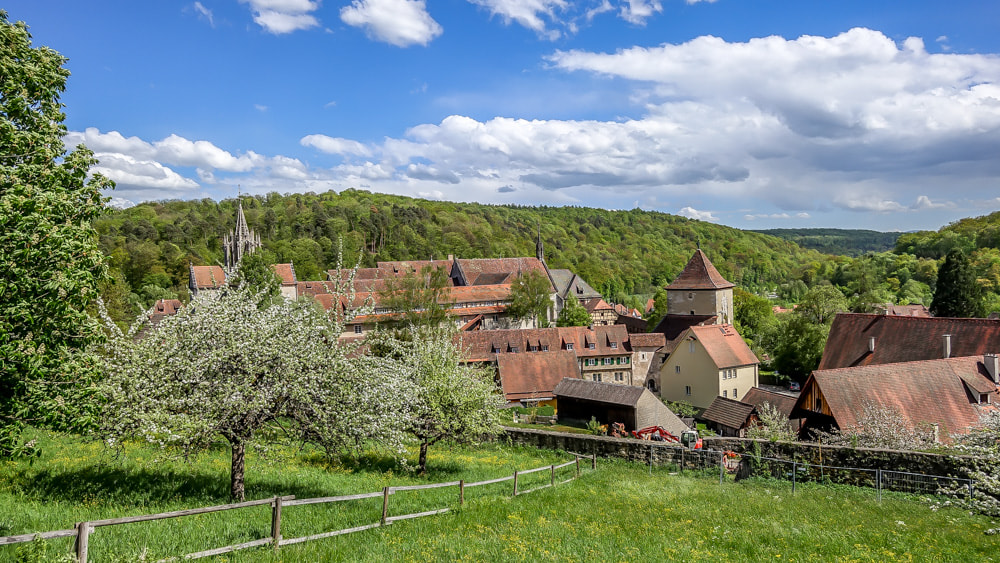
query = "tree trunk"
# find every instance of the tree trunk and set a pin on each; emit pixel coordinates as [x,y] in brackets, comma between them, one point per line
[236,488]
[422,461]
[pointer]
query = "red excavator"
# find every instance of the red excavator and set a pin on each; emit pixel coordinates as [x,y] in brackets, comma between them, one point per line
[689,438]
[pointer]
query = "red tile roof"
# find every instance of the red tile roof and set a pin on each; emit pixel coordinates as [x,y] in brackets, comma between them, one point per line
[597,304]
[286,272]
[672,327]
[905,339]
[472,269]
[528,376]
[484,345]
[724,345]
[905,310]
[699,274]
[647,340]
[928,391]
[208,277]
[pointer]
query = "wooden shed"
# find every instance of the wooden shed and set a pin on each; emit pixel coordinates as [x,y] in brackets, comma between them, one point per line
[635,407]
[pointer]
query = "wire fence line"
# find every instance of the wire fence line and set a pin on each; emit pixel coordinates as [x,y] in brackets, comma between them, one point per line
[746,465]
[82,531]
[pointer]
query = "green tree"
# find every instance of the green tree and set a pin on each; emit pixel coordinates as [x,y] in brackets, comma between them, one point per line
[573,314]
[255,271]
[530,297]
[659,310]
[821,304]
[50,264]
[957,294]
[418,298]
[799,346]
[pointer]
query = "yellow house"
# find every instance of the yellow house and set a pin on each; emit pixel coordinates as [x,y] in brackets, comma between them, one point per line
[707,362]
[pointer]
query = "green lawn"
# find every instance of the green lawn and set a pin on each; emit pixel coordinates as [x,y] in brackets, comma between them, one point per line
[619,513]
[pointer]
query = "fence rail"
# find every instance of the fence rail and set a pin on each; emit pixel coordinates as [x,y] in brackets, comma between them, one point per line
[83,530]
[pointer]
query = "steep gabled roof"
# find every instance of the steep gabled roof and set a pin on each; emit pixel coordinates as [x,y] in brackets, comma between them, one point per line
[905,339]
[597,391]
[647,340]
[927,391]
[492,268]
[597,304]
[699,274]
[286,272]
[673,327]
[729,412]
[724,345]
[207,277]
[535,376]
[567,284]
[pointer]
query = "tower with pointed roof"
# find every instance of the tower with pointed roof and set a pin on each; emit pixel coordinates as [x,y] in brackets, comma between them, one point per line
[240,241]
[701,290]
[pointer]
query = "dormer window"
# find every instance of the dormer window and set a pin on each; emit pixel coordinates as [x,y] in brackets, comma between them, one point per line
[514,349]
[592,346]
[569,345]
[545,347]
[614,345]
[532,348]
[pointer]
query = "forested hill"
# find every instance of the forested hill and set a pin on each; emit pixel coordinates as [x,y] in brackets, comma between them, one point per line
[972,235]
[618,252]
[846,242]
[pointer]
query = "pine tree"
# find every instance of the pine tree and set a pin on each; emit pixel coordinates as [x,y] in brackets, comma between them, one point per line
[957,294]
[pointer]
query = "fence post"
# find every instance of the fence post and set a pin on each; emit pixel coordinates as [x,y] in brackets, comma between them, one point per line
[515,483]
[682,461]
[878,483]
[82,540]
[795,471]
[461,492]
[553,469]
[722,466]
[593,461]
[577,467]
[276,522]
[385,504]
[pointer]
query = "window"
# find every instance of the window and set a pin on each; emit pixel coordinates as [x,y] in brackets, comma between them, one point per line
[569,345]
[651,385]
[724,395]
[677,369]
[614,345]
[357,329]
[642,356]
[626,360]
[514,349]
[690,296]
[691,347]
[687,390]
[532,348]
[597,377]
[619,376]
[735,394]
[545,347]
[591,345]
[819,404]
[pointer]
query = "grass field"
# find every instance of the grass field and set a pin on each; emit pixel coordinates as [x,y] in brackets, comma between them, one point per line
[621,512]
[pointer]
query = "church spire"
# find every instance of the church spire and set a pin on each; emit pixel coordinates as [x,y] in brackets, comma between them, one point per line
[539,248]
[240,241]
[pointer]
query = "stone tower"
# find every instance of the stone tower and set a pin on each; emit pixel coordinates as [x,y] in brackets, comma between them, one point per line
[240,241]
[701,290]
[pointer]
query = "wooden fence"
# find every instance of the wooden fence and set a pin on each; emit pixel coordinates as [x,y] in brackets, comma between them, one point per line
[83,530]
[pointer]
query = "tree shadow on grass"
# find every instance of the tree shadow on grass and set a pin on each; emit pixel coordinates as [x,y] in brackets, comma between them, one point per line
[375,462]
[123,487]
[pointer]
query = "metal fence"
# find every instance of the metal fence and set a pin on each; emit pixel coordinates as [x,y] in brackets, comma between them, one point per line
[746,465]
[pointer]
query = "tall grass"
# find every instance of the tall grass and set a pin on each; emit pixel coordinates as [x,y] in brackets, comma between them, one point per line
[622,512]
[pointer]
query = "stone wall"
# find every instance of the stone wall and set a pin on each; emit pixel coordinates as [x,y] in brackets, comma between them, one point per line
[803,452]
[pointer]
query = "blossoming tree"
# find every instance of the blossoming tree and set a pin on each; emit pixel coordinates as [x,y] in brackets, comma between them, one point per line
[230,364]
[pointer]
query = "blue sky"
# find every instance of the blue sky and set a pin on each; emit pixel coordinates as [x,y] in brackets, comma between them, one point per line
[754,114]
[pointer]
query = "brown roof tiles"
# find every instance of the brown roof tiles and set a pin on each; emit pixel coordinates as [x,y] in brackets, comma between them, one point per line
[699,274]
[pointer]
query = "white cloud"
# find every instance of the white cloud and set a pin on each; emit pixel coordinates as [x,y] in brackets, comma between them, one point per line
[129,171]
[173,150]
[260,107]
[692,213]
[283,16]
[528,13]
[924,202]
[335,145]
[204,13]
[638,11]
[398,22]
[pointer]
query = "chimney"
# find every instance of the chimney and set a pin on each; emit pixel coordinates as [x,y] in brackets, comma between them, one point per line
[990,361]
[947,346]
[871,344]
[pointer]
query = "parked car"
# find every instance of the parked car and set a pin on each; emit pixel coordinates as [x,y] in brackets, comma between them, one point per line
[794,386]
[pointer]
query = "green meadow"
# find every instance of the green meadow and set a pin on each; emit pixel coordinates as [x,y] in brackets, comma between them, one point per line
[621,512]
